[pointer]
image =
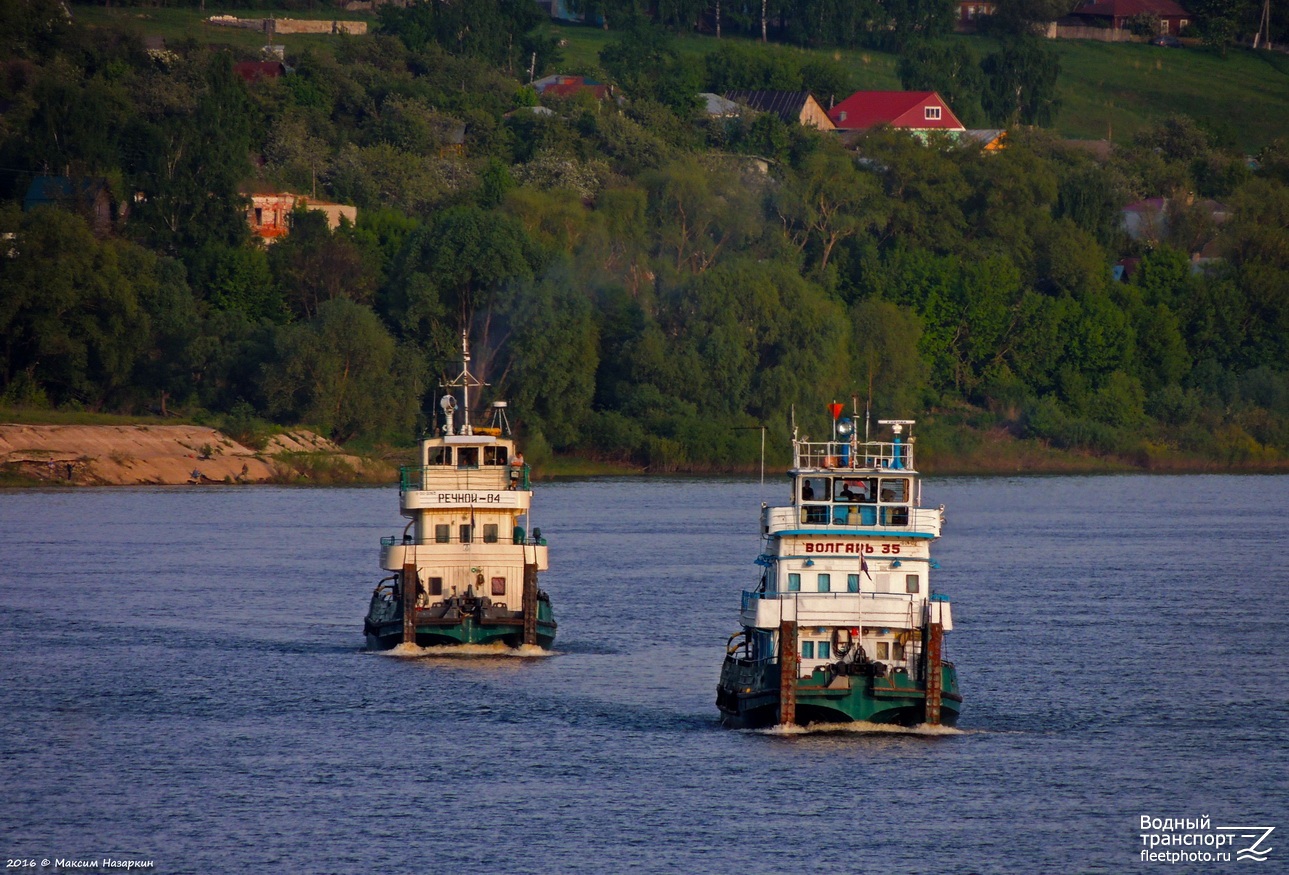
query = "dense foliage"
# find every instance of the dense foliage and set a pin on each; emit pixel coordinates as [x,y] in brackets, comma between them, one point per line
[642,282]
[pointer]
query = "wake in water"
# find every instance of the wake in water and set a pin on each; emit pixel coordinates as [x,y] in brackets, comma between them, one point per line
[467,651]
[860,727]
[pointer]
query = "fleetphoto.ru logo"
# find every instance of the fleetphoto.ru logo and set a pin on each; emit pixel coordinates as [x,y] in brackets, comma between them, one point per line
[1196,840]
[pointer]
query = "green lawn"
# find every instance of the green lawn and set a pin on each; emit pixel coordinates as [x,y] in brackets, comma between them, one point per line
[1117,88]
[176,24]
[1107,89]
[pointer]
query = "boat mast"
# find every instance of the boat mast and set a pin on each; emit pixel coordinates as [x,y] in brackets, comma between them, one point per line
[463,381]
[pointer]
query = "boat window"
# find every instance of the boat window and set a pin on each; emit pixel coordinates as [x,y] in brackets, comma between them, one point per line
[894,490]
[442,533]
[825,583]
[814,488]
[439,456]
[807,650]
[494,455]
[895,516]
[468,457]
[825,650]
[436,586]
[910,583]
[466,535]
[883,650]
[852,583]
[816,514]
[499,586]
[490,533]
[794,583]
[897,651]
[852,489]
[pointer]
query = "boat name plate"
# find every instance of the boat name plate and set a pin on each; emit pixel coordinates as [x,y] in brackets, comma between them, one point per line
[499,498]
[851,547]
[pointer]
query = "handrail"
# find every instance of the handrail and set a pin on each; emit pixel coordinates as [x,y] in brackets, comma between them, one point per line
[413,478]
[856,456]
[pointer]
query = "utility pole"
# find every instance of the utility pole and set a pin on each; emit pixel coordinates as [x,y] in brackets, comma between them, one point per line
[1262,38]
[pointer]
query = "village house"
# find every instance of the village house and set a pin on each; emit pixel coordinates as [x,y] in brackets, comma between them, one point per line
[1169,17]
[793,107]
[560,85]
[920,112]
[969,13]
[269,215]
[90,198]
[257,71]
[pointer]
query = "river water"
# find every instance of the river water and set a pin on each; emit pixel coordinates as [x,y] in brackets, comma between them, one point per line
[183,683]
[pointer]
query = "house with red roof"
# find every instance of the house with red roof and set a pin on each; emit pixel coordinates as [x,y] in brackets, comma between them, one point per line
[256,71]
[560,85]
[1118,14]
[920,111]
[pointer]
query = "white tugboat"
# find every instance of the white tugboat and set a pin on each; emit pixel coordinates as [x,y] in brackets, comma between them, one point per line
[466,565]
[844,626]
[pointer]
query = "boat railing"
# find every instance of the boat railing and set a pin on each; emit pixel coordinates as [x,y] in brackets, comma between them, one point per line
[475,538]
[856,455]
[416,478]
[847,517]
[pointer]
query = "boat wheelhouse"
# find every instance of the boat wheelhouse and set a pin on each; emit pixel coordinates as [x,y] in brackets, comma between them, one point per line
[844,625]
[466,564]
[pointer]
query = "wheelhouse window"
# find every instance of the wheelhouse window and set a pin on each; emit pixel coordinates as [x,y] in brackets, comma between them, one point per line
[854,489]
[894,490]
[442,533]
[814,488]
[494,455]
[490,533]
[468,457]
[439,456]
[467,534]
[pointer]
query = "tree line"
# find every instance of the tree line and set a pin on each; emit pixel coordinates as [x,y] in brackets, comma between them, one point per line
[640,281]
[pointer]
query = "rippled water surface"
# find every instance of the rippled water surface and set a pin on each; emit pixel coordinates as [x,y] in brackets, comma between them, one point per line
[182,681]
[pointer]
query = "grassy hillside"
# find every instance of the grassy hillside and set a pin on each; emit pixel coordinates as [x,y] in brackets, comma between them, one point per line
[1107,89]
[186,23]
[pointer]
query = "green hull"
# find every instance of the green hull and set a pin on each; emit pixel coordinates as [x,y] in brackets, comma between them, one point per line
[748,697]
[455,630]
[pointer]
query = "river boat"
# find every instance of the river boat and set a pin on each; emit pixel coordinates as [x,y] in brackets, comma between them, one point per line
[844,626]
[465,566]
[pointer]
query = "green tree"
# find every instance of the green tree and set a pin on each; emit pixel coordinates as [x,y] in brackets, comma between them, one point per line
[888,370]
[829,201]
[950,69]
[646,64]
[1020,84]
[343,372]
[549,356]
[312,265]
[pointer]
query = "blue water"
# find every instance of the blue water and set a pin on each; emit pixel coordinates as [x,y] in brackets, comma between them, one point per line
[182,682]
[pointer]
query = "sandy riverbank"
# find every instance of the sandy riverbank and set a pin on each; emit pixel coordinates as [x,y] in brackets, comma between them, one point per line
[123,455]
